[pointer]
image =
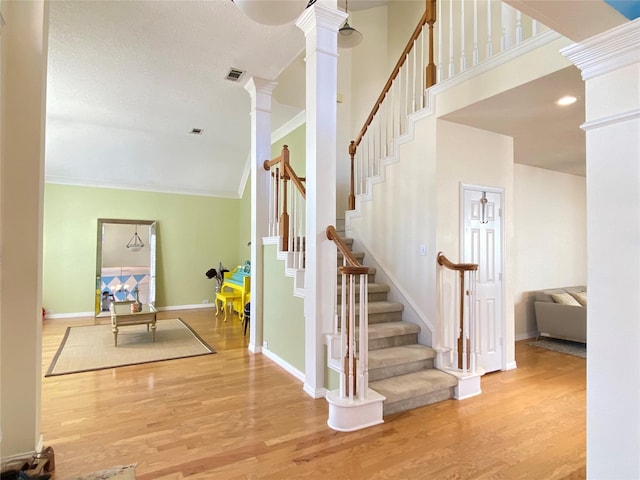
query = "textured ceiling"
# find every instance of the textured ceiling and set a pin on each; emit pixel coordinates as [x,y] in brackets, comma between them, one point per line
[128,81]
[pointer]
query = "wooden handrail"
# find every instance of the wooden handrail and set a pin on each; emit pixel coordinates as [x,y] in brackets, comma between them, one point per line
[297,181]
[283,173]
[428,17]
[394,73]
[342,247]
[287,169]
[459,267]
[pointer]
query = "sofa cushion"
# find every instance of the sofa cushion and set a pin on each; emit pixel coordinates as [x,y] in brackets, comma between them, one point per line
[564,299]
[581,297]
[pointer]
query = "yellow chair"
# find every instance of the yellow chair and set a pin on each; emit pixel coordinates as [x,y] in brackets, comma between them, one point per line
[228,297]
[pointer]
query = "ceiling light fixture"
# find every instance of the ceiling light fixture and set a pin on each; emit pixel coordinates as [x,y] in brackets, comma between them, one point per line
[348,37]
[136,243]
[566,100]
[273,12]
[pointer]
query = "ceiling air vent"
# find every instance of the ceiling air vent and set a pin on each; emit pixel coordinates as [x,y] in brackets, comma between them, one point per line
[234,74]
[196,131]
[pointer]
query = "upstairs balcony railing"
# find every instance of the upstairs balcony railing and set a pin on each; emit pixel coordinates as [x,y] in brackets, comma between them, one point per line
[451,37]
[287,206]
[351,324]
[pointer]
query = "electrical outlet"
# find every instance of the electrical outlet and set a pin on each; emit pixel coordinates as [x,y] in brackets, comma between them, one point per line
[423,249]
[265,344]
[205,301]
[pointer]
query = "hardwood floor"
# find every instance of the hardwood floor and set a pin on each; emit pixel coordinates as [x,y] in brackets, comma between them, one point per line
[234,415]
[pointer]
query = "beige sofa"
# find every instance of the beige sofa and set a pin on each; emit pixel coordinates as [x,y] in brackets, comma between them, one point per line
[562,313]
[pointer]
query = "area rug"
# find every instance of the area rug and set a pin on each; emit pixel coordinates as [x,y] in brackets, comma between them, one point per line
[120,472]
[562,346]
[91,347]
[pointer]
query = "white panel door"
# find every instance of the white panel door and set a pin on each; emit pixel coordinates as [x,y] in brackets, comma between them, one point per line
[482,244]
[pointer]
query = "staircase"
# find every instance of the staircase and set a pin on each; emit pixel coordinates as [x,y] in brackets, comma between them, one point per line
[400,368]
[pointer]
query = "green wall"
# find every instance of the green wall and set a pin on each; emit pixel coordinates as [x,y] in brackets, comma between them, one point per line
[296,140]
[283,313]
[244,224]
[194,234]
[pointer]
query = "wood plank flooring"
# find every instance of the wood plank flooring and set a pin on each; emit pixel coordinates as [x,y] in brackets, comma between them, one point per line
[235,415]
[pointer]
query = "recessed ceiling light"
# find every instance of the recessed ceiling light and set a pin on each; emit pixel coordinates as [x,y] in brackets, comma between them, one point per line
[566,100]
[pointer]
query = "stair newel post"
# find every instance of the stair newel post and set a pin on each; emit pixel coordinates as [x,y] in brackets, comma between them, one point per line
[364,337]
[277,197]
[461,321]
[352,195]
[465,332]
[284,216]
[473,351]
[431,66]
[344,339]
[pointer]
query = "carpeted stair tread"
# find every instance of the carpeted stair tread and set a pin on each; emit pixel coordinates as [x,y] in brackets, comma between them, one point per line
[411,385]
[358,255]
[382,307]
[390,329]
[371,288]
[399,355]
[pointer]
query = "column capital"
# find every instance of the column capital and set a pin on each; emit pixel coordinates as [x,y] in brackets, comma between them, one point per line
[320,15]
[260,90]
[606,52]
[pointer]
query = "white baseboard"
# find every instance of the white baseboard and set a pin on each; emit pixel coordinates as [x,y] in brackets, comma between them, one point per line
[526,336]
[315,392]
[511,366]
[58,316]
[18,456]
[284,364]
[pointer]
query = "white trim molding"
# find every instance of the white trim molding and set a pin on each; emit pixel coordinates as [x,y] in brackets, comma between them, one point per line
[283,363]
[289,126]
[606,52]
[611,120]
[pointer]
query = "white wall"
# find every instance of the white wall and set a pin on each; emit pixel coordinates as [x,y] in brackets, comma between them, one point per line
[22,164]
[550,242]
[477,157]
[401,216]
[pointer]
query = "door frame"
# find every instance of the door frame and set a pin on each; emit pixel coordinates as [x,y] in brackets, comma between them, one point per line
[464,187]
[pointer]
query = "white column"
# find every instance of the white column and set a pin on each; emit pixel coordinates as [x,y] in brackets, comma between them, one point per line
[260,91]
[610,65]
[320,24]
[24,63]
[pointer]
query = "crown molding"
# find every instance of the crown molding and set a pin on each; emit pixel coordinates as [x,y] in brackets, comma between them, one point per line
[611,50]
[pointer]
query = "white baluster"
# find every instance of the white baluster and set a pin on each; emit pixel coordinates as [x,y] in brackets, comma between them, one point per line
[476,53]
[489,31]
[413,89]
[423,65]
[452,68]
[439,60]
[463,47]
[343,335]
[519,34]
[352,328]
